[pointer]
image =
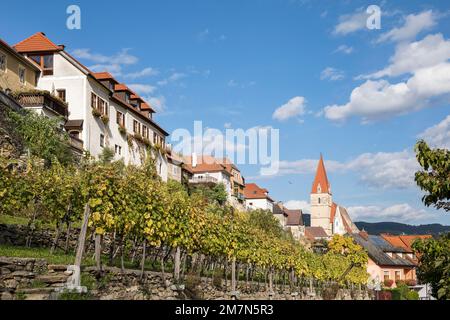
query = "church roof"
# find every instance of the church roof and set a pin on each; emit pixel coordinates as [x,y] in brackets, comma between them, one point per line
[321,179]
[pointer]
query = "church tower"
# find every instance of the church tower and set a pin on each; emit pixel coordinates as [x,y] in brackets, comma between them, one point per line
[321,200]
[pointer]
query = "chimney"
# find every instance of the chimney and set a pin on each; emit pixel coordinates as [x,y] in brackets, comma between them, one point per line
[194,160]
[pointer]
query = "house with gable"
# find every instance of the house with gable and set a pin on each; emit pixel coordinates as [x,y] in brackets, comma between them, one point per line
[98,105]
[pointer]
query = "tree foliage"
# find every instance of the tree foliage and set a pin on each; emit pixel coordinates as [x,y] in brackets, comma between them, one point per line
[434,179]
[434,264]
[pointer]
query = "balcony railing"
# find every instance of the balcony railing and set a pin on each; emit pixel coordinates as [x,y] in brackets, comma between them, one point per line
[204,179]
[43,99]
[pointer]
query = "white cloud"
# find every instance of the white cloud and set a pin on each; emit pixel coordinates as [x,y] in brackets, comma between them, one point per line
[298,204]
[146,72]
[332,74]
[350,23]
[411,57]
[378,170]
[344,49]
[158,103]
[294,107]
[233,83]
[380,99]
[174,77]
[399,212]
[122,57]
[112,63]
[142,88]
[414,24]
[438,136]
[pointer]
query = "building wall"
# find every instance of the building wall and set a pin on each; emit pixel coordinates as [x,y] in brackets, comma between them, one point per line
[338,223]
[320,212]
[263,204]
[377,272]
[78,88]
[9,79]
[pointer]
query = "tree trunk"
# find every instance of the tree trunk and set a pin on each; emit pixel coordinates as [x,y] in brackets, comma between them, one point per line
[55,240]
[98,251]
[176,273]
[82,237]
[66,248]
[162,269]
[233,275]
[144,245]
[112,248]
[271,281]
[122,253]
[31,228]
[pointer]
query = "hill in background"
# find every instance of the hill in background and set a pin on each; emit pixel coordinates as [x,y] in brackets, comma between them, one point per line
[401,228]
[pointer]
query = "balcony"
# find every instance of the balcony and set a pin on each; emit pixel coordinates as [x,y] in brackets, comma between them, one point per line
[203,180]
[42,99]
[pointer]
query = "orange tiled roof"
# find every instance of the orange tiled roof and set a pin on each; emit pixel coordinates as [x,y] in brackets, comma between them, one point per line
[321,178]
[37,43]
[121,87]
[104,76]
[253,191]
[315,233]
[333,212]
[404,241]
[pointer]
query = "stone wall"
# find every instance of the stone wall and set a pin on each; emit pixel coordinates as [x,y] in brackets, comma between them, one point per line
[34,279]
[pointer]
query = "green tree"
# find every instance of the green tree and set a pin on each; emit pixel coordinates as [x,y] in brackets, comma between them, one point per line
[434,264]
[434,179]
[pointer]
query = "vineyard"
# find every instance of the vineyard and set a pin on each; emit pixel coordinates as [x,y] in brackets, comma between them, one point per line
[183,231]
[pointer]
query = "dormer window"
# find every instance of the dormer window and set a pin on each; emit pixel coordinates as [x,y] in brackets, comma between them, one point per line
[127,97]
[111,86]
[45,61]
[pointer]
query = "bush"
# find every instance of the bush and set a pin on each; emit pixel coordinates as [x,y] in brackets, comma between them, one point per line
[412,295]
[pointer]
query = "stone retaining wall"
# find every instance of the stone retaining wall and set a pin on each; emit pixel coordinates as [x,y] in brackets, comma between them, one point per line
[34,279]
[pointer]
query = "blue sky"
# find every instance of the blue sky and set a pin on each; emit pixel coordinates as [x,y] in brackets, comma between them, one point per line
[234,63]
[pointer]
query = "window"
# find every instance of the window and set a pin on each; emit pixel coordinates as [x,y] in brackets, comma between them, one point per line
[93,100]
[118,150]
[145,131]
[2,62]
[102,140]
[127,97]
[397,275]
[136,127]
[319,200]
[75,134]
[22,75]
[45,62]
[120,118]
[102,106]
[386,275]
[61,94]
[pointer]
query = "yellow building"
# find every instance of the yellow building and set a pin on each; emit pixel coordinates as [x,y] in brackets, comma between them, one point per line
[17,73]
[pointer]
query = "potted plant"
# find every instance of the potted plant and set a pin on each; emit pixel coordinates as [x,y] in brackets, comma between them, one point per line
[96,113]
[104,118]
[388,283]
[122,129]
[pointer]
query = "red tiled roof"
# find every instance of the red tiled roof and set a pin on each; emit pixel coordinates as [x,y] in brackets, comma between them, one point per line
[294,217]
[253,191]
[37,43]
[321,179]
[405,241]
[333,212]
[104,76]
[314,233]
[122,87]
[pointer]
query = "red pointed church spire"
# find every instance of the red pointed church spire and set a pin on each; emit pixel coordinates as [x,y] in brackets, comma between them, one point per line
[321,184]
